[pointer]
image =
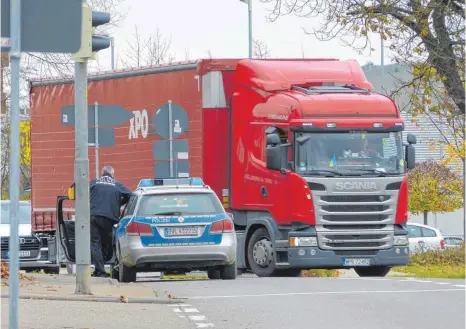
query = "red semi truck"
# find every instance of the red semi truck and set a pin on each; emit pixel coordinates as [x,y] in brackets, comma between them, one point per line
[306,156]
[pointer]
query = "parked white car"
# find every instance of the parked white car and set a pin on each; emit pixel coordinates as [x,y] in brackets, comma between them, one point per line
[453,242]
[423,238]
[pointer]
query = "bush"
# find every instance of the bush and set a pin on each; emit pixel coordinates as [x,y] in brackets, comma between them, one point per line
[448,264]
[320,273]
[448,257]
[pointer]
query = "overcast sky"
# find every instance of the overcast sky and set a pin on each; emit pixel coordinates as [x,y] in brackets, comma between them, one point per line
[220,26]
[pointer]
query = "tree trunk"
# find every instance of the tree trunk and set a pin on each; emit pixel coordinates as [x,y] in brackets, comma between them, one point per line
[425,217]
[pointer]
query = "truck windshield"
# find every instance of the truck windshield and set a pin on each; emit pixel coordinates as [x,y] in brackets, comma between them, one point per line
[179,204]
[24,213]
[349,153]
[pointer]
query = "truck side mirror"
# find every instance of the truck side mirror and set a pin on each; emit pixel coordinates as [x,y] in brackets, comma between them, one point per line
[411,139]
[273,139]
[274,158]
[410,156]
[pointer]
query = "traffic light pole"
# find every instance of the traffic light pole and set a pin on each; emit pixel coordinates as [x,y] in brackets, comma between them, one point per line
[81,178]
[90,44]
[15,59]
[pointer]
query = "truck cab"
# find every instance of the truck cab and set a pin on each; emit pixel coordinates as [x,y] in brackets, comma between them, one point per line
[320,162]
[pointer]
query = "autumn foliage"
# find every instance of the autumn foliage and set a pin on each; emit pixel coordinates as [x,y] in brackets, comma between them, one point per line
[433,187]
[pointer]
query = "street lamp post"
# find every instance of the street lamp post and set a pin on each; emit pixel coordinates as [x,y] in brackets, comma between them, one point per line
[249,2]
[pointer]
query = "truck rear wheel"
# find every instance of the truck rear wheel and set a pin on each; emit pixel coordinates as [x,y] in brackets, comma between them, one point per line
[377,271]
[261,254]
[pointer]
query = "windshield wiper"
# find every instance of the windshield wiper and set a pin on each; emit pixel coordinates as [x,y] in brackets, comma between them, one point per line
[375,171]
[168,213]
[318,171]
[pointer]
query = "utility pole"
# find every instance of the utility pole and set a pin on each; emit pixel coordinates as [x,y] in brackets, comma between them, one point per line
[382,65]
[249,2]
[112,45]
[89,45]
[15,59]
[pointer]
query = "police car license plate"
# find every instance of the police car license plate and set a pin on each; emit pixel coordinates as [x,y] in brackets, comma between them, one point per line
[182,231]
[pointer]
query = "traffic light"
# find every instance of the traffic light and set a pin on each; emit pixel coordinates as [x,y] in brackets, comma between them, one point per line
[90,43]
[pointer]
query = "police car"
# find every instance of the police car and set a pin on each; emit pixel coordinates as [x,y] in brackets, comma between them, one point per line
[174,225]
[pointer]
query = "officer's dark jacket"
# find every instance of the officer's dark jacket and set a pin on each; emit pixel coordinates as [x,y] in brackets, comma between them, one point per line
[107,196]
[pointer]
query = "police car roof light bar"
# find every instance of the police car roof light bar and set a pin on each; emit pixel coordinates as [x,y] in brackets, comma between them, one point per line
[153,182]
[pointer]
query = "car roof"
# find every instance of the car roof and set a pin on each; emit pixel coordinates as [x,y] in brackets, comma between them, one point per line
[160,190]
[425,226]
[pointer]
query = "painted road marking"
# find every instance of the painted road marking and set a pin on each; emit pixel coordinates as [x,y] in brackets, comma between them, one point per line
[182,311]
[190,310]
[326,293]
[459,285]
[441,283]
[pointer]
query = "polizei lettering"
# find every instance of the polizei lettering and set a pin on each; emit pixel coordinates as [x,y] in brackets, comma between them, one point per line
[347,186]
[140,123]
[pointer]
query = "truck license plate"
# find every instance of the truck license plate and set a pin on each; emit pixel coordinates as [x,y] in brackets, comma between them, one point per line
[181,231]
[356,262]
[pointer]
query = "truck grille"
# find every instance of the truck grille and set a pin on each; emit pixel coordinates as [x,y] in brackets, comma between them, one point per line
[354,221]
[355,241]
[355,209]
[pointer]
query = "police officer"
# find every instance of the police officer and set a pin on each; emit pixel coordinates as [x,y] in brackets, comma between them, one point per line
[107,196]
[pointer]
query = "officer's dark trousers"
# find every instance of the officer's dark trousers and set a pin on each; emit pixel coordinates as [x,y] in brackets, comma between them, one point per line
[101,242]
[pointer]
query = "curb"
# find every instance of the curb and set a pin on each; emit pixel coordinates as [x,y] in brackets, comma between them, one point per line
[83,298]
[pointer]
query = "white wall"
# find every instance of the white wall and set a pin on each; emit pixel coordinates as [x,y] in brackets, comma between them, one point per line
[450,223]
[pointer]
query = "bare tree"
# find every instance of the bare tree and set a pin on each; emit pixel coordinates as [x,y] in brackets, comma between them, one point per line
[209,54]
[260,49]
[149,51]
[187,55]
[427,36]
[43,65]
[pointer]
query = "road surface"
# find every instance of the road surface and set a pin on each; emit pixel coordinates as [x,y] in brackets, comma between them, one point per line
[351,303]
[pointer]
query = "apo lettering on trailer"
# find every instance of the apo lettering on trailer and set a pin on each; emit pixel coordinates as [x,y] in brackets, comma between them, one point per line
[139,123]
[168,120]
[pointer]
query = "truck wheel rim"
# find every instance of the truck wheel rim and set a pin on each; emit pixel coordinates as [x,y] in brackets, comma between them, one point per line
[261,252]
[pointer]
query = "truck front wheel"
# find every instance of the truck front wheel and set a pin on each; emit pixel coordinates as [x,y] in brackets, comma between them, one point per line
[377,271]
[261,254]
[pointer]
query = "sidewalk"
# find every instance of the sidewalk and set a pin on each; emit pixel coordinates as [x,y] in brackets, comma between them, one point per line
[49,302]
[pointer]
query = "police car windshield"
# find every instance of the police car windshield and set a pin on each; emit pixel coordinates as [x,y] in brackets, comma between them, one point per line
[179,204]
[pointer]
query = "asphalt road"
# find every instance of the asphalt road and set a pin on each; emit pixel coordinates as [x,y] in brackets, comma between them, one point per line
[280,303]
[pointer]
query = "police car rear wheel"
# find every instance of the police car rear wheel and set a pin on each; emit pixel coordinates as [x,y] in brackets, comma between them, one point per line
[229,272]
[214,274]
[125,274]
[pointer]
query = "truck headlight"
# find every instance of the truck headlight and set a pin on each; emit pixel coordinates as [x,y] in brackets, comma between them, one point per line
[303,241]
[400,240]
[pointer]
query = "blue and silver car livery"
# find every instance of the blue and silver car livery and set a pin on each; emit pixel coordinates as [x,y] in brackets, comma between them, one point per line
[175,225]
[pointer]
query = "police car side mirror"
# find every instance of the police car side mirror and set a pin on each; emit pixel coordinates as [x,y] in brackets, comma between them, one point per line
[231,216]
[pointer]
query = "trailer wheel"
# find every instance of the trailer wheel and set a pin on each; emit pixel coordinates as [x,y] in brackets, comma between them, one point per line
[377,271]
[261,253]
[125,274]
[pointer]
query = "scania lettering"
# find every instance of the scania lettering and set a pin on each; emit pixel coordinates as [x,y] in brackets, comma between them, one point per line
[356,186]
[310,161]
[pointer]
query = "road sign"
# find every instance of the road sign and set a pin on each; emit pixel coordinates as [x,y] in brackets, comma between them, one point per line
[49,26]
[109,115]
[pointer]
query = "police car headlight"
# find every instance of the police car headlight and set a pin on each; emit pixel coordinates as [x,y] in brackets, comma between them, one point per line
[303,241]
[400,240]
